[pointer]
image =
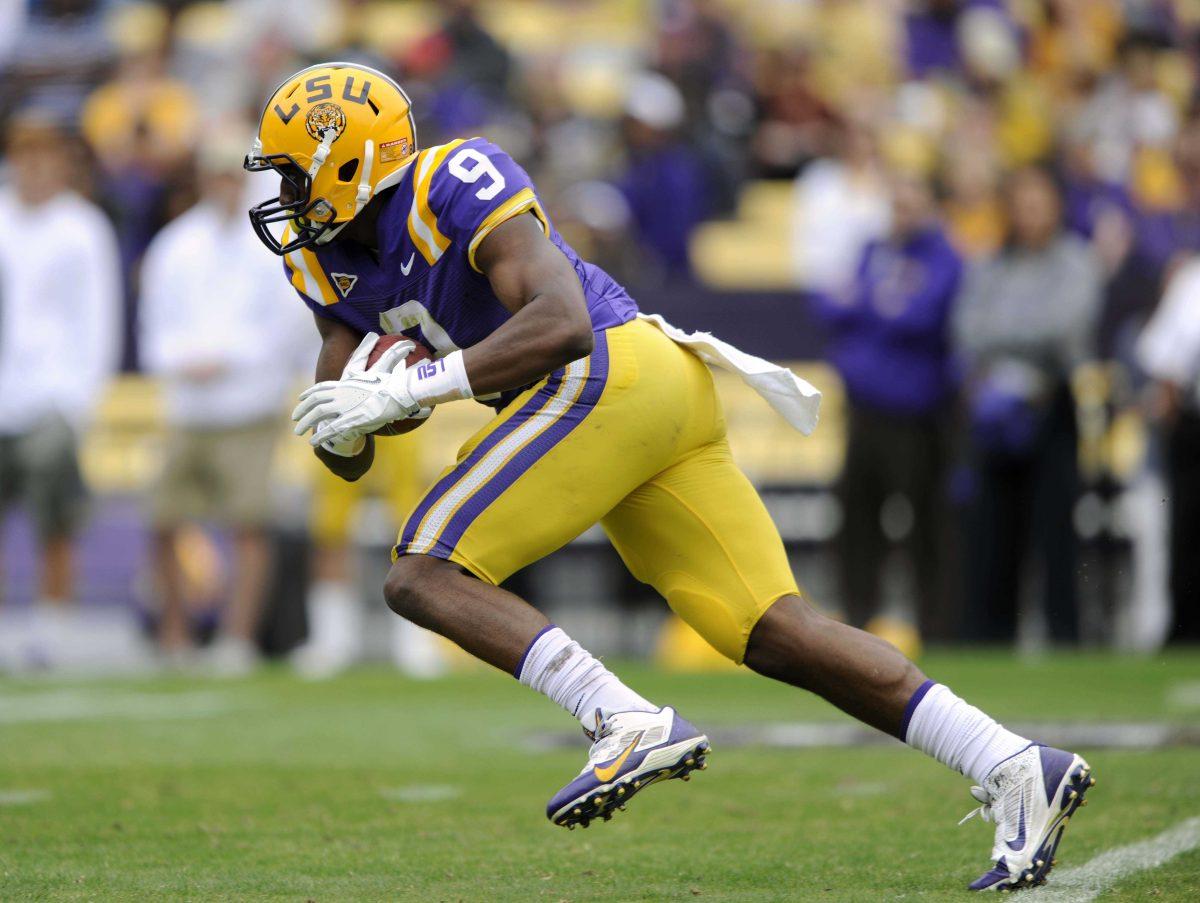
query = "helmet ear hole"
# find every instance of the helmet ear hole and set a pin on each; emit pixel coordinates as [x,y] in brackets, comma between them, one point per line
[347,170]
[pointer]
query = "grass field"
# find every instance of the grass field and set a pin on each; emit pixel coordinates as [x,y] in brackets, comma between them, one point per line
[374,788]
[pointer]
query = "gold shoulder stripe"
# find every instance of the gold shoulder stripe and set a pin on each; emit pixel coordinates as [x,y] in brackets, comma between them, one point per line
[521,202]
[422,223]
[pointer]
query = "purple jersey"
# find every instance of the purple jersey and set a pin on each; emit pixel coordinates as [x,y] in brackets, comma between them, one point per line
[425,282]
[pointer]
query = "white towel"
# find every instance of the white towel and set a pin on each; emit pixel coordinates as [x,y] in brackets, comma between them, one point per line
[794,399]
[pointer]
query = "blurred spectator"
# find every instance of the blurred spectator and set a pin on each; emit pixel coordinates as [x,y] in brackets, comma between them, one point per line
[59,51]
[974,212]
[219,327]
[665,181]
[696,48]
[1169,349]
[475,56]
[1129,112]
[337,619]
[931,39]
[889,342]
[141,125]
[594,217]
[59,308]
[1025,320]
[1088,196]
[795,120]
[700,52]
[1131,291]
[1166,236]
[460,71]
[841,204]
[855,44]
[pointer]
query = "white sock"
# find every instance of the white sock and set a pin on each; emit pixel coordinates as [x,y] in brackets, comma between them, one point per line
[957,734]
[554,664]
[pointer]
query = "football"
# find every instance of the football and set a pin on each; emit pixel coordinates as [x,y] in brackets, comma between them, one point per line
[420,353]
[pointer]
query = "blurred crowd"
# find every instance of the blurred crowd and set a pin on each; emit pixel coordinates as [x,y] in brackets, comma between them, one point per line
[995,220]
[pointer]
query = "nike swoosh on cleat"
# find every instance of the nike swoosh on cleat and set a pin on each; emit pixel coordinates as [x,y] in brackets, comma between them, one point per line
[406,268]
[1020,840]
[608,772]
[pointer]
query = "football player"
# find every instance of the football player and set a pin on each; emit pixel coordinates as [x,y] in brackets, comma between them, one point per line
[603,416]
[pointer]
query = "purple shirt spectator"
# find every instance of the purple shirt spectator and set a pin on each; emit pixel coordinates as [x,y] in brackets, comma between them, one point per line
[931,35]
[667,189]
[1163,234]
[889,340]
[1085,201]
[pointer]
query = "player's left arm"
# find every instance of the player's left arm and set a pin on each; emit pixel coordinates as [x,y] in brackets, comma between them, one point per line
[483,201]
[549,326]
[338,342]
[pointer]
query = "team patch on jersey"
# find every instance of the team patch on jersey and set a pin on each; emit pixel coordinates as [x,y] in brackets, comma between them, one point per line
[344,282]
[393,150]
[322,118]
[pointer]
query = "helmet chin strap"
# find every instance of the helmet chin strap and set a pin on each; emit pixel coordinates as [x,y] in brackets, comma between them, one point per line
[364,183]
[365,192]
[321,154]
[330,234]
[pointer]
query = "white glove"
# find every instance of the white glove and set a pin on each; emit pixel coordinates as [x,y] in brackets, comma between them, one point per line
[347,449]
[340,412]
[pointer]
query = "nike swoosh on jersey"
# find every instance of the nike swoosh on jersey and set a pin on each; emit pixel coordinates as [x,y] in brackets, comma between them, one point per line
[406,268]
[608,772]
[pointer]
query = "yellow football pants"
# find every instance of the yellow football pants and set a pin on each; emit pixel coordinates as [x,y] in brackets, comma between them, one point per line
[632,437]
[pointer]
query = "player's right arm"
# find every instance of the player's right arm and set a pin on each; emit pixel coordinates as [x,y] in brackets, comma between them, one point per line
[338,342]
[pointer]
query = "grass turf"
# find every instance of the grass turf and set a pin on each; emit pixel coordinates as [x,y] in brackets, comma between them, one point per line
[370,787]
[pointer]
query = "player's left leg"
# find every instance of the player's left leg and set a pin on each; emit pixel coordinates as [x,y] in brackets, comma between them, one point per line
[699,533]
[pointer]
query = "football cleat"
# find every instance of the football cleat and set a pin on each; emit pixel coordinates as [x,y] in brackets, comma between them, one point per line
[1031,797]
[630,751]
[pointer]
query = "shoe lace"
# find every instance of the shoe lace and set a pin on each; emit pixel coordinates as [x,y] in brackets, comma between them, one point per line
[605,742]
[985,811]
[602,728]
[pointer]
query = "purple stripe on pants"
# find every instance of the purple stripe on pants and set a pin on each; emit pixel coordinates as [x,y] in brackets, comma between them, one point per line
[528,456]
[444,485]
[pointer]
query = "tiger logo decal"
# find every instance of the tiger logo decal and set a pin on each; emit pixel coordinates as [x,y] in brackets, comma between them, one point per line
[324,117]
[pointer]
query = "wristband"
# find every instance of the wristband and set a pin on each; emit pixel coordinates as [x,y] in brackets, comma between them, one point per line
[345,449]
[435,381]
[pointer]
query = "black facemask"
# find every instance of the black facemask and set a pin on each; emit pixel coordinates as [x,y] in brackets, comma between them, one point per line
[309,218]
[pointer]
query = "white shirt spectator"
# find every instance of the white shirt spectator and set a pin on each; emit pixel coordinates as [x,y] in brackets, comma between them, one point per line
[837,213]
[1169,346]
[214,297]
[60,309]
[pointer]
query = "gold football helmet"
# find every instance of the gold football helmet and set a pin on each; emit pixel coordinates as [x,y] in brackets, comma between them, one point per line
[337,134]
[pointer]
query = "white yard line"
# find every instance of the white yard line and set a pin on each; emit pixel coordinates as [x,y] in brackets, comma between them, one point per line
[825,734]
[1088,881]
[22,797]
[94,704]
[420,793]
[1184,695]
